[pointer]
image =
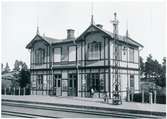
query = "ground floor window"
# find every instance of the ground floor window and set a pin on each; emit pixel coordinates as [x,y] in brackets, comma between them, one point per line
[102,82]
[39,81]
[132,83]
[93,81]
[57,82]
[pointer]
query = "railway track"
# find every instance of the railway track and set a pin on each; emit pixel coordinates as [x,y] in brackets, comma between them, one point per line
[24,115]
[54,108]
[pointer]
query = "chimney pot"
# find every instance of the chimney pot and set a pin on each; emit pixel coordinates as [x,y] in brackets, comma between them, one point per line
[99,25]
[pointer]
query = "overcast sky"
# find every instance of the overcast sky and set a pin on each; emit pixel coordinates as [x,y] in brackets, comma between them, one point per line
[146,24]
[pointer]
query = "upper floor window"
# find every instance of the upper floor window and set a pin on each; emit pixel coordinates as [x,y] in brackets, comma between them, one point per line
[57,54]
[94,49]
[39,56]
[131,54]
[72,53]
[118,53]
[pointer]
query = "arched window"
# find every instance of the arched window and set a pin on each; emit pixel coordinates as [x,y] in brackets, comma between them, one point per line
[39,56]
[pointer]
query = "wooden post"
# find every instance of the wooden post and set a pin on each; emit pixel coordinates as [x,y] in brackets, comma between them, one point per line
[14,91]
[128,95]
[132,95]
[19,90]
[24,91]
[150,98]
[142,96]
[9,91]
[5,91]
[155,96]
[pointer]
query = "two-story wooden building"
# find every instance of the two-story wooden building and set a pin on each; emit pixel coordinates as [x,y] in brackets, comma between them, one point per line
[72,66]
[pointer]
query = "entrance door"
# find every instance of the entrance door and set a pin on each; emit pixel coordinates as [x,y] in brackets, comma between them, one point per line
[93,81]
[57,85]
[72,85]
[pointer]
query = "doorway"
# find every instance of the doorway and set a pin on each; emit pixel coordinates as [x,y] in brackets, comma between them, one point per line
[93,81]
[57,85]
[72,85]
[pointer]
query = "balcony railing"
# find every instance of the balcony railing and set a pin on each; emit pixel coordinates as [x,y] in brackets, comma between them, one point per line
[98,62]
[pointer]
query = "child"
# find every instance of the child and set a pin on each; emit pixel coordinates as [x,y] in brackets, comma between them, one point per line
[92,92]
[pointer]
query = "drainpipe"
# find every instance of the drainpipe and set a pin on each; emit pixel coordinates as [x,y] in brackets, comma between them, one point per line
[76,64]
[51,66]
[139,65]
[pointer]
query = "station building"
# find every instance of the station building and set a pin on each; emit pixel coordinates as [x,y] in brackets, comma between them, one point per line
[73,65]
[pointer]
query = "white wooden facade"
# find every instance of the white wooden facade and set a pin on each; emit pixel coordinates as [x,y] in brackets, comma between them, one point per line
[71,67]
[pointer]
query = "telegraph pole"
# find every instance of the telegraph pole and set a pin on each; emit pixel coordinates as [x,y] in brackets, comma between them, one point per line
[116,96]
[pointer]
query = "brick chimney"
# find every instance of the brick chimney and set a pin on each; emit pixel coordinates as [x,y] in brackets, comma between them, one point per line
[70,34]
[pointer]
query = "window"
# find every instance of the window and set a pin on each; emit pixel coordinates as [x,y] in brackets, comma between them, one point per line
[72,80]
[94,49]
[119,53]
[93,81]
[39,56]
[70,83]
[132,81]
[57,54]
[39,81]
[57,80]
[72,53]
[59,83]
[131,54]
[102,82]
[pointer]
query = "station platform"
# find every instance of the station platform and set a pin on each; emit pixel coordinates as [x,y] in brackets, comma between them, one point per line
[95,103]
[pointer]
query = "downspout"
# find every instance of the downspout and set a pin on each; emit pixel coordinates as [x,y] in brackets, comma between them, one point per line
[139,66]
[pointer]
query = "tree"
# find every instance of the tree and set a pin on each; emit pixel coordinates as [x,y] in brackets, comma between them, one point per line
[24,75]
[148,69]
[16,66]
[2,69]
[161,81]
[7,68]
[24,66]
[24,79]
[141,66]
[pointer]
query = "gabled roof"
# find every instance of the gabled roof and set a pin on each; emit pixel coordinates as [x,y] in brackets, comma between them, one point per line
[37,37]
[50,40]
[121,38]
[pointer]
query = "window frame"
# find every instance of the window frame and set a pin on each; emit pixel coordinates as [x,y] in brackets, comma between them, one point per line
[132,80]
[39,56]
[131,54]
[69,53]
[39,81]
[54,54]
[94,50]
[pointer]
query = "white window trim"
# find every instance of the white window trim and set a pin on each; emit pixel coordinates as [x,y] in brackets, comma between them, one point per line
[57,55]
[72,53]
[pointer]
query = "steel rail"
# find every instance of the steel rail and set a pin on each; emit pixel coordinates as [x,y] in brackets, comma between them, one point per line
[84,111]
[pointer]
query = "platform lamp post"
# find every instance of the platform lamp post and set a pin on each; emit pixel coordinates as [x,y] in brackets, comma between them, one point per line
[125,50]
[116,98]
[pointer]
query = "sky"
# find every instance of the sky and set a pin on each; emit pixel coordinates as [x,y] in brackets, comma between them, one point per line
[145,22]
